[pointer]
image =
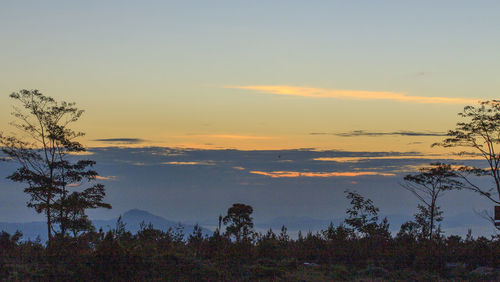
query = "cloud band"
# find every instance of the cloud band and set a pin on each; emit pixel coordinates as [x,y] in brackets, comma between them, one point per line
[289,174]
[351,94]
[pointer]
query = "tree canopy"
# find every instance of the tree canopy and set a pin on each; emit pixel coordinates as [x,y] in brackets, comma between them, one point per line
[239,221]
[45,149]
[479,135]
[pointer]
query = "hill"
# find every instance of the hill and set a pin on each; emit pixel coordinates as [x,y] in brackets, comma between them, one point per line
[132,220]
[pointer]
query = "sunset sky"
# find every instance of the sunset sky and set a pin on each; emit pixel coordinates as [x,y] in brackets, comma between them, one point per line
[255,74]
[280,104]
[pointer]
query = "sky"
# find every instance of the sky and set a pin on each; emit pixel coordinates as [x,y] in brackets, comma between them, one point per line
[254,74]
[353,76]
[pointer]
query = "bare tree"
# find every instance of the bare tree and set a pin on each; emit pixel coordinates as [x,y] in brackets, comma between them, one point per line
[428,185]
[480,132]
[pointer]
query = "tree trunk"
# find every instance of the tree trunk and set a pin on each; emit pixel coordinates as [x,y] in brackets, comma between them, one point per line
[433,204]
[49,224]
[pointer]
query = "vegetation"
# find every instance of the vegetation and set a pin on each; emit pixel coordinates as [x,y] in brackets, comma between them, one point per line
[239,222]
[63,187]
[43,149]
[479,132]
[428,185]
[360,248]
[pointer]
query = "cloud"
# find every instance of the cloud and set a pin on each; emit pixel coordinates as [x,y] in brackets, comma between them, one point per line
[401,157]
[190,163]
[351,94]
[375,134]
[84,153]
[233,136]
[122,140]
[98,177]
[287,174]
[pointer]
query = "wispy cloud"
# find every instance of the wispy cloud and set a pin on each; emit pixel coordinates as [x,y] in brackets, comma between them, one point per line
[98,177]
[402,157]
[233,136]
[375,134]
[289,174]
[84,153]
[121,140]
[190,163]
[351,94]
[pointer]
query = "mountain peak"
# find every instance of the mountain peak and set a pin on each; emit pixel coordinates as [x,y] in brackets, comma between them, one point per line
[137,213]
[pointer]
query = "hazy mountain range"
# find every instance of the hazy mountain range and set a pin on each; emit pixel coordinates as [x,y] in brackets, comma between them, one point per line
[135,217]
[132,220]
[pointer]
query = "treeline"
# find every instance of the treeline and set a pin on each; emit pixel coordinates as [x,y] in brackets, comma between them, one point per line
[360,247]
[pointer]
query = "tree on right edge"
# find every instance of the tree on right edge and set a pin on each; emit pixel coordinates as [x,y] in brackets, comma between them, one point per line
[480,132]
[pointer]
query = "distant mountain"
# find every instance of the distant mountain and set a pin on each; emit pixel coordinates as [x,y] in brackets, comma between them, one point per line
[30,230]
[132,220]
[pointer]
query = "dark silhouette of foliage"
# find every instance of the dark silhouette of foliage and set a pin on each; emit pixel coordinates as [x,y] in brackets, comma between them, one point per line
[362,216]
[239,221]
[331,254]
[428,185]
[44,150]
[480,132]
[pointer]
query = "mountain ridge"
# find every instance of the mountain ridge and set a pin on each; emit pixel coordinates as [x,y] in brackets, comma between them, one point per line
[132,219]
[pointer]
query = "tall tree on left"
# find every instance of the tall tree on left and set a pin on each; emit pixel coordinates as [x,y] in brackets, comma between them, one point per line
[61,185]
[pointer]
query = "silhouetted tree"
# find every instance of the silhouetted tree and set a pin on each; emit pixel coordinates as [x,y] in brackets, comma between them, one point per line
[43,149]
[363,216]
[268,245]
[239,221]
[428,185]
[73,216]
[337,234]
[283,237]
[195,239]
[480,132]
[410,231]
